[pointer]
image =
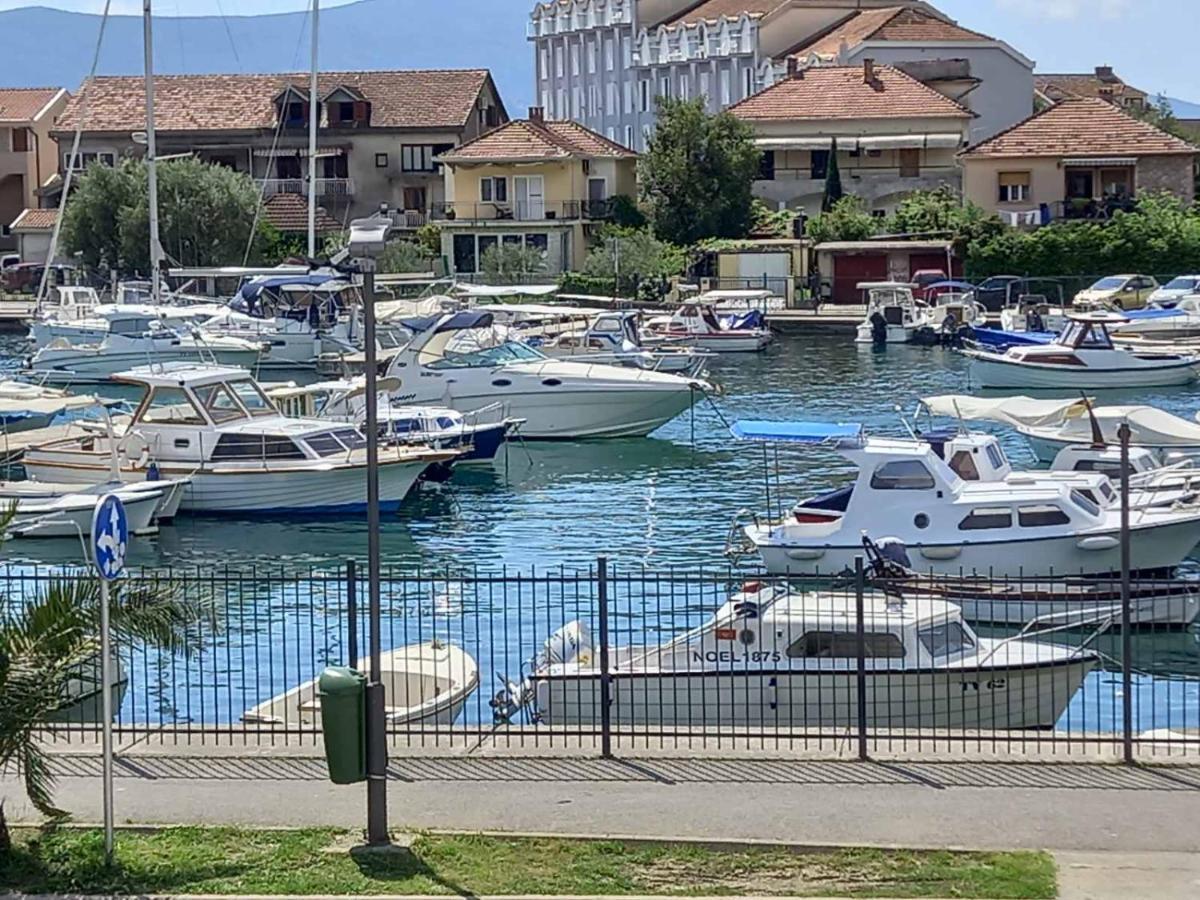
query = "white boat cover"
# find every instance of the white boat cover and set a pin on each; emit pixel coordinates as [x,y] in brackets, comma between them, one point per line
[1148,425]
[17,397]
[1021,410]
[505,290]
[390,310]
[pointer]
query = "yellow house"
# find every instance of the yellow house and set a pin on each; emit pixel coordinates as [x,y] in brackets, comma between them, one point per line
[531,182]
[1080,158]
[28,156]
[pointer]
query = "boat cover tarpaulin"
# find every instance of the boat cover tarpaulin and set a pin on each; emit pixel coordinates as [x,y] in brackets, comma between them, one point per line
[1147,424]
[1009,410]
[251,289]
[453,322]
[795,432]
[502,290]
[1151,313]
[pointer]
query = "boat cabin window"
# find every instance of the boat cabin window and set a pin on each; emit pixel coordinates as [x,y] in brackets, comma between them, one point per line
[607,325]
[444,422]
[170,406]
[1089,335]
[995,456]
[1109,467]
[964,466]
[710,318]
[844,645]
[324,445]
[350,438]
[508,352]
[252,397]
[256,446]
[946,639]
[1041,515]
[1085,502]
[219,403]
[902,475]
[983,519]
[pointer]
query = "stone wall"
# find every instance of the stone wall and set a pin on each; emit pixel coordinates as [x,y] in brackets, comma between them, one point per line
[1167,173]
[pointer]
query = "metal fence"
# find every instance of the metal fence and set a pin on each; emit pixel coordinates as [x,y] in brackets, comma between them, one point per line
[606,659]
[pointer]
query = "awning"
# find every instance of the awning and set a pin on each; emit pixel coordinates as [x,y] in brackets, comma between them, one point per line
[300,151]
[1101,161]
[943,140]
[806,143]
[795,432]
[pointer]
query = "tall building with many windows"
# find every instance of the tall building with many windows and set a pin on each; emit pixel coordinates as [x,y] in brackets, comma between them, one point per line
[603,63]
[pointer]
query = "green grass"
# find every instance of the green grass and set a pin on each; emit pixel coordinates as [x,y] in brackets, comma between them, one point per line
[321,861]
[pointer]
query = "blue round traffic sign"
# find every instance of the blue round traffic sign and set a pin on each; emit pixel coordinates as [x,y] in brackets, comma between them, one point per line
[110,536]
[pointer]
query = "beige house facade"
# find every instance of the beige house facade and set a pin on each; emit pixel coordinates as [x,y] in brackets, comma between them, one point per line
[28,155]
[532,183]
[1079,158]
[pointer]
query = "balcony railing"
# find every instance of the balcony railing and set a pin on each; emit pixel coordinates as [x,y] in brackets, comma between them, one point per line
[326,187]
[521,211]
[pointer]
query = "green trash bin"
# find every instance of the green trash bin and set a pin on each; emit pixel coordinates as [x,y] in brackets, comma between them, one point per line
[343,693]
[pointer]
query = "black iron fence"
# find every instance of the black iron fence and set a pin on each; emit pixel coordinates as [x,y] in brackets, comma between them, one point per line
[612,660]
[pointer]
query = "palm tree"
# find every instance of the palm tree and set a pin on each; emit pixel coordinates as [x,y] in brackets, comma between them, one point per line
[51,642]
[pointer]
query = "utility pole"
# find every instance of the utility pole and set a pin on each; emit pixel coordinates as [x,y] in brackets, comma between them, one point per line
[314,113]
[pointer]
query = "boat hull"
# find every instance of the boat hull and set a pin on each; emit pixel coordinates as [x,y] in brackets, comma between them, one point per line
[72,367]
[73,520]
[896,334]
[1008,697]
[1153,548]
[1176,611]
[1046,447]
[990,372]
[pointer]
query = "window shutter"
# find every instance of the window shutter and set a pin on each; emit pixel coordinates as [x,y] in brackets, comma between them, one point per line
[362,111]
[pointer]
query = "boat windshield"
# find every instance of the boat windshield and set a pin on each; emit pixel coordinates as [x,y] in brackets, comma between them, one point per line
[253,399]
[1087,335]
[500,355]
[220,404]
[946,639]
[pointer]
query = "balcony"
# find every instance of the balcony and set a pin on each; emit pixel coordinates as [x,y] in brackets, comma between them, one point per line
[327,188]
[521,211]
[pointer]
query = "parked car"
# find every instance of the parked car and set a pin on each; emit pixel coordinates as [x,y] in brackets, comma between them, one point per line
[24,278]
[8,260]
[1118,291]
[1174,291]
[993,292]
[923,278]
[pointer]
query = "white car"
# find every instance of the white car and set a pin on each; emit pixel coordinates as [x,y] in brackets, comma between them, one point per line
[1173,291]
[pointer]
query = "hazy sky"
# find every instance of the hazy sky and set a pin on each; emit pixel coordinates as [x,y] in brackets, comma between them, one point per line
[1148,42]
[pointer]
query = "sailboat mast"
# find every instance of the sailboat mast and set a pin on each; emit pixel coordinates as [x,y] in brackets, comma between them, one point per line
[313,113]
[151,156]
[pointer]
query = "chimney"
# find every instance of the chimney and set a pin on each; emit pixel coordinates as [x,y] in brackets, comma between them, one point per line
[792,67]
[1105,73]
[536,115]
[868,71]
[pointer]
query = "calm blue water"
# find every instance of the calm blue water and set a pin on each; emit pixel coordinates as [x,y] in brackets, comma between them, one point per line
[663,502]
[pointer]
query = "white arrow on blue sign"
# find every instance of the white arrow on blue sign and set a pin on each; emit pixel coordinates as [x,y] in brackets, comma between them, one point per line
[110,536]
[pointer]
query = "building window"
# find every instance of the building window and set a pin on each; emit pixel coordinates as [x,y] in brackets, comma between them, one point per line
[414,198]
[627,96]
[726,87]
[547,100]
[747,82]
[335,167]
[543,63]
[539,242]
[20,140]
[664,87]
[910,162]
[381,160]
[558,61]
[464,253]
[574,59]
[704,77]
[766,166]
[486,242]
[611,133]
[685,86]
[576,102]
[560,105]
[83,160]
[629,136]
[627,53]
[591,57]
[493,190]
[818,163]
[609,55]
[644,88]
[597,101]
[416,158]
[1014,187]
[612,107]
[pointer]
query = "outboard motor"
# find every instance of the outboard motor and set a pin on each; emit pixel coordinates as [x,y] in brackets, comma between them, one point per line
[949,328]
[570,644]
[893,550]
[1033,321]
[879,329]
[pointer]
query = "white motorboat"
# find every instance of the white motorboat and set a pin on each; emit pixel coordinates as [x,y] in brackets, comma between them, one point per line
[1036,312]
[557,399]
[97,324]
[24,406]
[423,684]
[169,491]
[134,340]
[774,657]
[1181,319]
[215,426]
[70,515]
[615,337]
[893,316]
[476,436]
[1083,356]
[1027,524]
[952,310]
[696,324]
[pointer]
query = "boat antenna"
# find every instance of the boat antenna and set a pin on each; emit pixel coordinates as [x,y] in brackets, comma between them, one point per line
[903,421]
[1098,442]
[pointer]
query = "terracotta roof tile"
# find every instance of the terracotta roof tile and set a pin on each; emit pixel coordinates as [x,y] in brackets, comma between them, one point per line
[289,212]
[711,10]
[1081,127]
[399,99]
[22,104]
[893,23]
[839,92]
[522,139]
[35,220]
[1082,85]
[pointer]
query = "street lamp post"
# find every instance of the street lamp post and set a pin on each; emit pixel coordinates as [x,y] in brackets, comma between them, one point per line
[368,237]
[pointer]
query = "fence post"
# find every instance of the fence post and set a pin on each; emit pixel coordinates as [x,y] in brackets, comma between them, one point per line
[861,653]
[352,614]
[1123,435]
[605,678]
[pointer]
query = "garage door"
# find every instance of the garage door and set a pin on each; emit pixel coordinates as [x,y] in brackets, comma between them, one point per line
[848,271]
[756,265]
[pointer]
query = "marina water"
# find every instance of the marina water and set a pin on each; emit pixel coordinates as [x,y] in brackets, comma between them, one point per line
[662,503]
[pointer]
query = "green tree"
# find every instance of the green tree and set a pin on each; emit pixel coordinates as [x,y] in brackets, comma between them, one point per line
[404,256]
[206,216]
[429,236]
[847,220]
[636,252]
[941,212]
[697,172]
[771,222]
[833,181]
[511,262]
[47,641]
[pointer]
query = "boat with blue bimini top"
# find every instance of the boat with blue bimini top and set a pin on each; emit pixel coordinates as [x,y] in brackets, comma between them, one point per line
[929,494]
[216,427]
[776,657]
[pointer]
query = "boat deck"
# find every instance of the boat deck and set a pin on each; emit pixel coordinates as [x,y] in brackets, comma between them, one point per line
[13,445]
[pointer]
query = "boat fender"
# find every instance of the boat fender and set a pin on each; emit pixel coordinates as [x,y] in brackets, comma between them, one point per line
[1098,542]
[943,552]
[572,643]
[806,553]
[152,473]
